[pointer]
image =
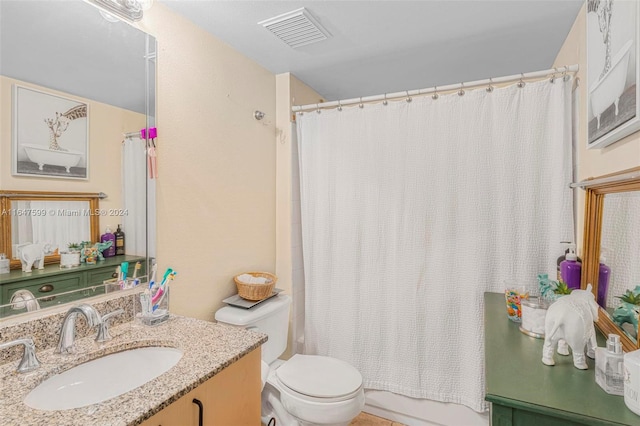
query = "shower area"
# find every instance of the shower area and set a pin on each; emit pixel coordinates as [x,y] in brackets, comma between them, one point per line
[405,209]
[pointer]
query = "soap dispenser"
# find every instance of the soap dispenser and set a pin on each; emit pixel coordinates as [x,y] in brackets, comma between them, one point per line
[109,236]
[610,366]
[604,273]
[571,269]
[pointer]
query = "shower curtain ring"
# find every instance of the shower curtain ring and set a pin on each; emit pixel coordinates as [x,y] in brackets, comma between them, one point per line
[408,97]
[435,93]
[317,108]
[339,106]
[521,82]
[565,77]
[461,91]
[490,87]
[361,105]
[553,76]
[385,102]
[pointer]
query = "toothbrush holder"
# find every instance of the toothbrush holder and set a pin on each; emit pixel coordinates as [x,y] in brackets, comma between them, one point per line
[153,306]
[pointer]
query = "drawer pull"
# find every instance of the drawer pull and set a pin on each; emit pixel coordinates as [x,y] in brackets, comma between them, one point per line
[46,288]
[200,411]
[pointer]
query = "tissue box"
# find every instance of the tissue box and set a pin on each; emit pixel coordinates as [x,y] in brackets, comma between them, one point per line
[632,381]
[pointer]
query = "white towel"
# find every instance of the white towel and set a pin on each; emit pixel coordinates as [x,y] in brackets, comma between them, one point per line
[250,279]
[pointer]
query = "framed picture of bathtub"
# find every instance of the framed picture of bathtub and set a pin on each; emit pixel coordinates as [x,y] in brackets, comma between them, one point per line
[50,135]
[612,71]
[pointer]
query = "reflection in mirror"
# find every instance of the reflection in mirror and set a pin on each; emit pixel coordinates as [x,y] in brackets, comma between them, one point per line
[620,251]
[611,249]
[67,49]
[59,230]
[55,219]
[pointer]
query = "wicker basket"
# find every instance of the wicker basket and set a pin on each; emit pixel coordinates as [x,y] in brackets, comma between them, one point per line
[256,292]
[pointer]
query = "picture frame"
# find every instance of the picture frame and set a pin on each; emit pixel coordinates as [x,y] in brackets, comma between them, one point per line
[50,135]
[613,71]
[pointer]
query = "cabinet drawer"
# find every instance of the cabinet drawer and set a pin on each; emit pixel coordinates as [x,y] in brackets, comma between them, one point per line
[45,288]
[99,276]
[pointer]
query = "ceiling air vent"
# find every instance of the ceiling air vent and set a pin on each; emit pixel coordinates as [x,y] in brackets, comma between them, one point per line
[296,28]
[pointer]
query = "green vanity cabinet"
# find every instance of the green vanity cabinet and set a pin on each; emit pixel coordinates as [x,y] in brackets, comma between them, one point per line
[44,288]
[47,284]
[523,391]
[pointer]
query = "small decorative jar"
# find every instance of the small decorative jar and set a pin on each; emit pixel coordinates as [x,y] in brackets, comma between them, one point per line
[534,312]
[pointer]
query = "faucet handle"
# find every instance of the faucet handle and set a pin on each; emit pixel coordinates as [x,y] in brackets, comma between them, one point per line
[103,329]
[29,360]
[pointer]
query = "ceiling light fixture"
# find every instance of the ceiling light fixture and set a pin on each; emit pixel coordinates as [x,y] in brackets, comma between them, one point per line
[128,10]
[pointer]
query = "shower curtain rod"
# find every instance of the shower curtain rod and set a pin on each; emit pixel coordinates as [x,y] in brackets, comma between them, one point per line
[434,90]
[100,195]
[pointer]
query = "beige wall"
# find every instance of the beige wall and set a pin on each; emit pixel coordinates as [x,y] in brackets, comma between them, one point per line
[106,126]
[289,91]
[592,162]
[216,186]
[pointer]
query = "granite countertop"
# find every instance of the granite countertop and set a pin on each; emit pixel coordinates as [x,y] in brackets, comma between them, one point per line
[208,348]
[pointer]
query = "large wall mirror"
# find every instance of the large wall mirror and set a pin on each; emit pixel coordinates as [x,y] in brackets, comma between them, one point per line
[611,260]
[53,53]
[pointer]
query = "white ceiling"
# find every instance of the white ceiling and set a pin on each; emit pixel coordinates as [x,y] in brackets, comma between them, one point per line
[388,46]
[68,46]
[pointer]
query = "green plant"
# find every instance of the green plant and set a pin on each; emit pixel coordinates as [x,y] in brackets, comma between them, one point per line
[562,288]
[630,297]
[74,246]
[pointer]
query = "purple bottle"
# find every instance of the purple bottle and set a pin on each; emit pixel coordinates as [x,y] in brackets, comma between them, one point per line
[109,236]
[603,281]
[571,269]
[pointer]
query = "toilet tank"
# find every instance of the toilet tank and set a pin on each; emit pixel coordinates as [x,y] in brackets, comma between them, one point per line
[270,317]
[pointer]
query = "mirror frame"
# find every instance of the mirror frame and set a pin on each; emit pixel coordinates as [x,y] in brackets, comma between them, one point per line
[596,189]
[6,196]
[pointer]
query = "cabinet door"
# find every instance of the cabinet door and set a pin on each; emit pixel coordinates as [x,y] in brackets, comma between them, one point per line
[233,395]
[230,398]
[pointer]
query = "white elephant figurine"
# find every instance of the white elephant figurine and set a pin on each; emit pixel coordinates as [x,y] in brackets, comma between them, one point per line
[571,319]
[33,255]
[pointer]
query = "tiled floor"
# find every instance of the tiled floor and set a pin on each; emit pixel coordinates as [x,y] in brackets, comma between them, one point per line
[365,419]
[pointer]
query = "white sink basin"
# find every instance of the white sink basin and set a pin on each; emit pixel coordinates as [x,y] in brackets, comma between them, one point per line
[102,379]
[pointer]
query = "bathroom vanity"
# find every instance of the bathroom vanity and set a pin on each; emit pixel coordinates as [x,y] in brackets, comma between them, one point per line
[524,391]
[215,382]
[46,283]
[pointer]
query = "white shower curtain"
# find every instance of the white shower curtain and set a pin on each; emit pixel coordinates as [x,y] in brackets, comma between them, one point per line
[411,211]
[134,195]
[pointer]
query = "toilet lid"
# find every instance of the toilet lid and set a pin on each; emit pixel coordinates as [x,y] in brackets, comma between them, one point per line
[319,376]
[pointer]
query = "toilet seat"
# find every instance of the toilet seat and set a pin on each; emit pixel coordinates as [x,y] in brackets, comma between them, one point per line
[319,379]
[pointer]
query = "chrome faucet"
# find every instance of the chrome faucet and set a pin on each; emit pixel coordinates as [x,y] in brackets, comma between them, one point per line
[103,328]
[68,329]
[29,360]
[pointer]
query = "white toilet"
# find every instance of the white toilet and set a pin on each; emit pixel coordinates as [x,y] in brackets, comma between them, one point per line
[306,389]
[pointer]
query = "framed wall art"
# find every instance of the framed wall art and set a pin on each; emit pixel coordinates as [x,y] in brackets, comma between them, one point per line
[612,71]
[50,135]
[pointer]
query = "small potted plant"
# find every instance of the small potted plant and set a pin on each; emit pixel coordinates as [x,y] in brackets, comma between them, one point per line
[628,310]
[70,257]
[551,290]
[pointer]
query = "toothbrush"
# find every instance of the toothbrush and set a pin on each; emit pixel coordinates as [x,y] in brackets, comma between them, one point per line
[169,278]
[124,267]
[168,275]
[136,269]
[154,269]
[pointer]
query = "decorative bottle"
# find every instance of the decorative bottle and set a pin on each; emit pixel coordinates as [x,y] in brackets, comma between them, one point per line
[4,264]
[603,280]
[571,269]
[610,366]
[109,236]
[119,235]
